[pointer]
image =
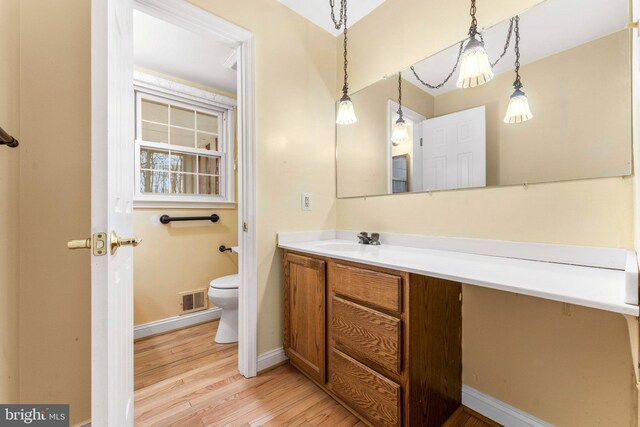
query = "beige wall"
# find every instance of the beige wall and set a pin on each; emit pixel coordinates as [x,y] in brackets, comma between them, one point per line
[9,158]
[178,257]
[518,349]
[363,148]
[295,135]
[55,203]
[582,116]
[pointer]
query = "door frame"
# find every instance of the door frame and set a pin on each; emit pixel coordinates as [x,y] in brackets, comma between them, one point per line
[184,14]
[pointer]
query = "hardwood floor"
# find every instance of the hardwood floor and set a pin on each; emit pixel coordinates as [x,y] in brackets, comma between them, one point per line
[184,378]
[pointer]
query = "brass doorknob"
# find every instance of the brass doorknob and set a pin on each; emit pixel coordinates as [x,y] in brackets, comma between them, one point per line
[116,242]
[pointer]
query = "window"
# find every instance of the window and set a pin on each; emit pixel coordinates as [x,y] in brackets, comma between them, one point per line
[400,175]
[184,151]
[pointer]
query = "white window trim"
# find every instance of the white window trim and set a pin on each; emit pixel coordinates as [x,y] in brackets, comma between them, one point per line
[154,87]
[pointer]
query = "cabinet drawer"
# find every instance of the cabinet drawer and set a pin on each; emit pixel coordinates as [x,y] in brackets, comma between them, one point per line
[373,396]
[371,287]
[366,334]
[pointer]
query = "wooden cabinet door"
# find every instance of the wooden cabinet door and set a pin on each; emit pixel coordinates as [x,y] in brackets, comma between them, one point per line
[304,314]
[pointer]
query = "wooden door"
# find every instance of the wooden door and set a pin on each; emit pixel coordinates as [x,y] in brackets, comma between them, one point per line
[304,311]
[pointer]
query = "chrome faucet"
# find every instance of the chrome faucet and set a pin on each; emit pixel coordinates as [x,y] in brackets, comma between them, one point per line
[364,239]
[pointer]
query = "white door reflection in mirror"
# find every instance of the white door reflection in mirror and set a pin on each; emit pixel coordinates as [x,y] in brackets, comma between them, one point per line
[454,151]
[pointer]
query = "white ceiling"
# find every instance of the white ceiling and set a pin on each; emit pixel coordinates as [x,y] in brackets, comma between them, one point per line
[319,11]
[176,51]
[549,28]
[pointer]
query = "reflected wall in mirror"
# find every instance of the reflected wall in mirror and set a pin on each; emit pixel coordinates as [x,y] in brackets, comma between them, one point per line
[576,70]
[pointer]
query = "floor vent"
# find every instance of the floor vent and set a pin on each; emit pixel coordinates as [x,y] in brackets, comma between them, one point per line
[194,301]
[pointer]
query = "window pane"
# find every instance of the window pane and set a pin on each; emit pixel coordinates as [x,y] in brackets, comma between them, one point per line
[182,183]
[209,185]
[183,137]
[209,165]
[181,162]
[207,141]
[208,122]
[155,111]
[154,182]
[154,159]
[183,117]
[152,132]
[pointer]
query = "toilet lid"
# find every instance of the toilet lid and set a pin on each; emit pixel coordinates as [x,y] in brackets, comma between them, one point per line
[225,282]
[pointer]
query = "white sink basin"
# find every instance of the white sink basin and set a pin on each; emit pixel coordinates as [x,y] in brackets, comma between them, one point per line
[341,247]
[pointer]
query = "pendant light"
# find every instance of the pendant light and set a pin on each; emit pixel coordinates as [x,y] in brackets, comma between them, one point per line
[518,110]
[461,50]
[475,69]
[346,113]
[400,132]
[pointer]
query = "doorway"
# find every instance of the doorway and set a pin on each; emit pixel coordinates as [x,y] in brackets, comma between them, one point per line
[189,173]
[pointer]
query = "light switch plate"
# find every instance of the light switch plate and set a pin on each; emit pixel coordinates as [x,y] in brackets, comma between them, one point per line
[306,201]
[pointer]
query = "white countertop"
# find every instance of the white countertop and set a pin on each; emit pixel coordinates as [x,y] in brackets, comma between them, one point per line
[600,288]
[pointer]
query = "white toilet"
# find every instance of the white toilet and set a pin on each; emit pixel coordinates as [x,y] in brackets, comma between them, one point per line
[223,293]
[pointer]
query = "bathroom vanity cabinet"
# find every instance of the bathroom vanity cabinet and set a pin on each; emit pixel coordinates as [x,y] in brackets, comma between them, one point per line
[305,314]
[385,343]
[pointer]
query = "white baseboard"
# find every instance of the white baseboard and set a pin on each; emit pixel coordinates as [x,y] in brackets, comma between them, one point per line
[271,358]
[177,322]
[498,411]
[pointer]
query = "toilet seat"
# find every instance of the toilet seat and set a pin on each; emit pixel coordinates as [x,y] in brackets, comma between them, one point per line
[225,282]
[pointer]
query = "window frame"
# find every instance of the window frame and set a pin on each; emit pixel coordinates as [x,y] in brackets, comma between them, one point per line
[179,95]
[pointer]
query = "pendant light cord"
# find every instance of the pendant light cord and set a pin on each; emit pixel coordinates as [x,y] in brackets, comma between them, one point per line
[517,84]
[345,86]
[473,30]
[506,44]
[340,23]
[446,79]
[400,96]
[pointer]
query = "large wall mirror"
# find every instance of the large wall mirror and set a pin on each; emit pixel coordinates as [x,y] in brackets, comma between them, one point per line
[575,68]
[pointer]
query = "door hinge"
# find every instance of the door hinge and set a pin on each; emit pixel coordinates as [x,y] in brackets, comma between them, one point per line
[245,227]
[420,142]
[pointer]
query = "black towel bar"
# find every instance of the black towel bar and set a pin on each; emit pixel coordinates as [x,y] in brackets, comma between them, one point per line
[8,140]
[166,219]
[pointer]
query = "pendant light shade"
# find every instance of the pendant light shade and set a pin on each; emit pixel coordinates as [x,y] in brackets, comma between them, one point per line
[518,110]
[475,69]
[400,132]
[346,112]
